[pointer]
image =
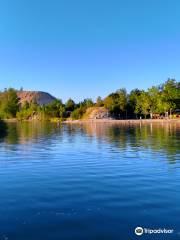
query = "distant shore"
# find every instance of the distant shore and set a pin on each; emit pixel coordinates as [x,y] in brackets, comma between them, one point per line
[126,121]
[115,121]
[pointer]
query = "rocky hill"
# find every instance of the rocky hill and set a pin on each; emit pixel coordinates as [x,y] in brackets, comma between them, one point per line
[42,98]
[97,113]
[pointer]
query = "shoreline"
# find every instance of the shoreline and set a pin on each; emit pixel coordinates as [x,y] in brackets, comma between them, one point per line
[114,121]
[125,121]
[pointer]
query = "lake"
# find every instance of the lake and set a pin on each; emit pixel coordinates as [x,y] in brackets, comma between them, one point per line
[89,181]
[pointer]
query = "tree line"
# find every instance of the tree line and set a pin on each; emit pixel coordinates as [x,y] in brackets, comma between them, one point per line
[158,101]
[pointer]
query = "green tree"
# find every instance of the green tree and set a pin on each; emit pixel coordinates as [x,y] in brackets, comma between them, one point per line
[116,102]
[70,105]
[9,103]
[25,105]
[111,103]
[132,101]
[99,102]
[54,109]
[122,98]
[87,102]
[169,94]
[62,112]
[78,113]
[155,99]
[143,104]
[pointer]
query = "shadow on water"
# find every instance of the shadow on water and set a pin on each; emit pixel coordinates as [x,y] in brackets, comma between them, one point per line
[3,129]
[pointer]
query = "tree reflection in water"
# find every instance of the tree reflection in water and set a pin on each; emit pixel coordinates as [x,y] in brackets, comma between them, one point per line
[157,137]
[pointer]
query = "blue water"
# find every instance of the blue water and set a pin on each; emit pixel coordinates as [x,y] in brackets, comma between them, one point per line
[88,182]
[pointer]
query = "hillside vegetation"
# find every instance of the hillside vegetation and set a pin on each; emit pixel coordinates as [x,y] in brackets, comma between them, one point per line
[157,102]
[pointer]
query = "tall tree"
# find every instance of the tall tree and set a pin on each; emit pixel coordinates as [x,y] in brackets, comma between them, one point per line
[132,101]
[9,103]
[169,94]
[99,102]
[70,105]
[143,104]
[154,97]
[122,99]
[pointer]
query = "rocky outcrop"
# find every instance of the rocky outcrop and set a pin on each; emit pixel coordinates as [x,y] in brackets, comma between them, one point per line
[41,98]
[97,113]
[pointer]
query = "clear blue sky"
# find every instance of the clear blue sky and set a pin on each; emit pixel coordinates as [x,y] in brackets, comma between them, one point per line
[86,48]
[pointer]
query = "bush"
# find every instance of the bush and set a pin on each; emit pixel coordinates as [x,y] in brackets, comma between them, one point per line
[77,113]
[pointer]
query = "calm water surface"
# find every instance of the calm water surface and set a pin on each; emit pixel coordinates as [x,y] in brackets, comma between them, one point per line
[88,182]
